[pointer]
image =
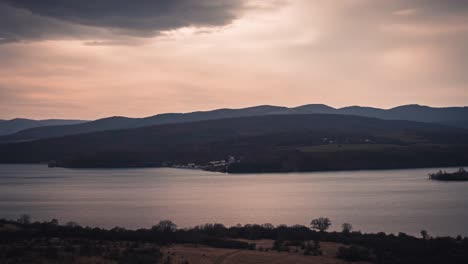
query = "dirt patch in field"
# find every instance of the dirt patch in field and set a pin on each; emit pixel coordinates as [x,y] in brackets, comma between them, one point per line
[9,227]
[259,244]
[184,254]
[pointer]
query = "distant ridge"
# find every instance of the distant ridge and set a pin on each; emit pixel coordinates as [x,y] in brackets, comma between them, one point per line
[451,116]
[18,124]
[315,108]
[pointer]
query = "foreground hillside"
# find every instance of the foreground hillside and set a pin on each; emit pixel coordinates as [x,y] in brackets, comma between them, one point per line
[452,116]
[50,242]
[258,144]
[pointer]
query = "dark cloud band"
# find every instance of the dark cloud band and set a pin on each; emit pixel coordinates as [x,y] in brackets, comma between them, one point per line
[32,19]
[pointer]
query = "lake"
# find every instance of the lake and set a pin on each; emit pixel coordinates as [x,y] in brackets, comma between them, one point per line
[390,200]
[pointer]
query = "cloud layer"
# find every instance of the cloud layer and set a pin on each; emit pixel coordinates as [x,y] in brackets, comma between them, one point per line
[52,19]
[75,62]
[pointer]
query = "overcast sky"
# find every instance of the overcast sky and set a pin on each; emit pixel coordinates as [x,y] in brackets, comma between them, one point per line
[95,58]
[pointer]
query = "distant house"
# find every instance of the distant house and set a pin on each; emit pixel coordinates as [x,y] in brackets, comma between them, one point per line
[231,159]
[217,163]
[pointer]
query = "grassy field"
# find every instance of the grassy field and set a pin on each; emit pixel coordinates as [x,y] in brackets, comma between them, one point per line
[262,254]
[349,147]
[86,251]
[52,243]
[370,147]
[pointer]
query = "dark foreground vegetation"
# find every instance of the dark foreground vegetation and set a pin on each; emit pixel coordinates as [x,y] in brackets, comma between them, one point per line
[460,175]
[277,143]
[50,242]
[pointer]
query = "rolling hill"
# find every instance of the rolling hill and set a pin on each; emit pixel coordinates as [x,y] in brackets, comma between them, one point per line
[18,124]
[261,143]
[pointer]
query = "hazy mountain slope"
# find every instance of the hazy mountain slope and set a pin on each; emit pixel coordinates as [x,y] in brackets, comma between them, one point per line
[364,111]
[18,124]
[456,123]
[259,140]
[114,123]
[314,109]
[453,116]
[429,114]
[111,123]
[419,113]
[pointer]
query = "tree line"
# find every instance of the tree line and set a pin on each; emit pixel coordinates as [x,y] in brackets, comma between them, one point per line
[378,248]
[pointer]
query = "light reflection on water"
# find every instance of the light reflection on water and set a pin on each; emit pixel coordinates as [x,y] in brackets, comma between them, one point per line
[390,201]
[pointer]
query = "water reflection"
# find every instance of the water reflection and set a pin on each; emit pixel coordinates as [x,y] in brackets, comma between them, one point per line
[390,201]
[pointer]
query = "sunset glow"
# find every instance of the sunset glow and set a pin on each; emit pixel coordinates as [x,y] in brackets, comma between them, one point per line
[354,52]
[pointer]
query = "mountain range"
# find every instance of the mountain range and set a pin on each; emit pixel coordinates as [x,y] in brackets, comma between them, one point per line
[450,116]
[269,143]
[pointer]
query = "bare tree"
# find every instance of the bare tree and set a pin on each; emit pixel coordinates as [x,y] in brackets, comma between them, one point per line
[347,228]
[321,224]
[425,235]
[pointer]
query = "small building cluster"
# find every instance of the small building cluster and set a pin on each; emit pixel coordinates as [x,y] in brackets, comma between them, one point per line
[214,165]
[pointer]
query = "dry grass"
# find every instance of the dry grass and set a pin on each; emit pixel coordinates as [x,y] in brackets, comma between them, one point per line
[9,227]
[206,255]
[349,147]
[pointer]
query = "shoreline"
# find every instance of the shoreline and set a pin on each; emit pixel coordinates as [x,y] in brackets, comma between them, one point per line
[246,173]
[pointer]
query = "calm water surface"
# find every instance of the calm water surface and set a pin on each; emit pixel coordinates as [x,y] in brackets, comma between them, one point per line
[389,201]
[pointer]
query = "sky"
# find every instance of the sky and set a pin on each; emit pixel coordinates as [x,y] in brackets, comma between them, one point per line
[90,59]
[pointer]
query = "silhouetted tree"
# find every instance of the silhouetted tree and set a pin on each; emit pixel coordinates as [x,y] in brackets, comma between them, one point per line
[72,224]
[118,229]
[165,226]
[24,219]
[268,226]
[425,235]
[321,224]
[347,228]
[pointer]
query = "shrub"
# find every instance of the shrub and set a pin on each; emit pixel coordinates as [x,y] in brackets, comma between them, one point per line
[353,253]
[347,228]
